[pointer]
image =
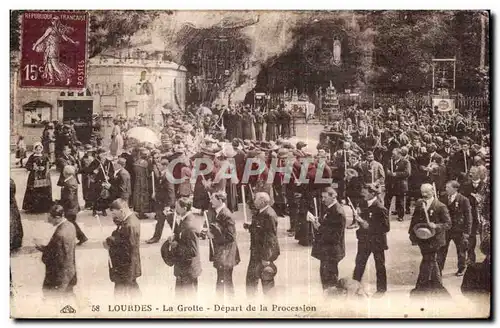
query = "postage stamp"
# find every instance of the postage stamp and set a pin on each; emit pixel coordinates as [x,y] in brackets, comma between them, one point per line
[54,50]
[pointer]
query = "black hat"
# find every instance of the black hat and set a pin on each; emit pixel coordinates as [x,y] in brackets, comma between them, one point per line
[300,144]
[268,272]
[167,254]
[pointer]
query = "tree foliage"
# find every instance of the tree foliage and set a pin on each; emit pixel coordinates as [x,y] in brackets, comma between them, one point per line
[406,42]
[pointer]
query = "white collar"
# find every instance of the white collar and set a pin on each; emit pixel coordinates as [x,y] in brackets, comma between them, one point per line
[476,181]
[185,215]
[428,202]
[452,197]
[116,172]
[218,209]
[263,209]
[332,204]
[68,178]
[62,221]
[371,201]
[126,216]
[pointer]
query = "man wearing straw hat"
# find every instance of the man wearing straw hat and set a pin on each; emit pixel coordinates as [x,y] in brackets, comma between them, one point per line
[428,227]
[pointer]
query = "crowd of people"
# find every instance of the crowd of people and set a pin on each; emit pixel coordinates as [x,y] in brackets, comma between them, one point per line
[435,165]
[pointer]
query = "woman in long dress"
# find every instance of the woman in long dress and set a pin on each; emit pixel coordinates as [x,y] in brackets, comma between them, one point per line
[38,196]
[49,43]
[16,227]
[116,146]
[141,197]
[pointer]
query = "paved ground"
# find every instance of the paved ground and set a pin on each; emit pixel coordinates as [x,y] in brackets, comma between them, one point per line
[297,281]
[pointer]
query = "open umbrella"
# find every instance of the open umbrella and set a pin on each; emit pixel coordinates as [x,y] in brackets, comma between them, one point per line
[142,134]
[204,111]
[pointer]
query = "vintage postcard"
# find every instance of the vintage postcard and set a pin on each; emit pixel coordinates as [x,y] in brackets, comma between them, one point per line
[250,164]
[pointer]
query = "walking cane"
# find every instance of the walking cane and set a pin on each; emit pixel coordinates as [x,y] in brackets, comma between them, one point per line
[102,231]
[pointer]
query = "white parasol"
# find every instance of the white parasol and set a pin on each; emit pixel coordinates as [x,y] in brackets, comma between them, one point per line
[143,135]
[204,111]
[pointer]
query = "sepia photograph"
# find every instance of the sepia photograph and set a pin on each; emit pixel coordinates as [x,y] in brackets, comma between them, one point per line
[250,164]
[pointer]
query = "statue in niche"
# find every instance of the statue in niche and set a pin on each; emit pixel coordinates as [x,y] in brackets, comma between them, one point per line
[144,87]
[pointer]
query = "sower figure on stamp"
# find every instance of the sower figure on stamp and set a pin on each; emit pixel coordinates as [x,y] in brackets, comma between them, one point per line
[461,223]
[225,254]
[185,249]
[372,236]
[428,227]
[264,246]
[59,257]
[329,241]
[124,254]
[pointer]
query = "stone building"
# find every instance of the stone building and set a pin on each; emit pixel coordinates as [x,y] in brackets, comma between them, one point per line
[125,87]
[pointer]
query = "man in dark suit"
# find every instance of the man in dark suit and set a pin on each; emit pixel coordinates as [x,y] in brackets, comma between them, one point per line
[475,189]
[461,222]
[372,236]
[460,162]
[397,175]
[120,182]
[65,160]
[329,242]
[429,277]
[264,246]
[69,200]
[124,254]
[59,256]
[185,249]
[225,253]
[164,199]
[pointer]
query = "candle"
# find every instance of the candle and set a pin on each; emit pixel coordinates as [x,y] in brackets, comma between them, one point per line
[244,204]
[373,174]
[315,207]
[392,165]
[345,160]
[465,161]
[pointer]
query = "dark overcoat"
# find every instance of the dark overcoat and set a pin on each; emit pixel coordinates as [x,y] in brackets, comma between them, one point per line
[438,213]
[187,253]
[263,236]
[124,251]
[375,236]
[329,241]
[225,253]
[59,258]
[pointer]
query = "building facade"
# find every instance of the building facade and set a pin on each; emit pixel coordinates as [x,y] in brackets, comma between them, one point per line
[115,87]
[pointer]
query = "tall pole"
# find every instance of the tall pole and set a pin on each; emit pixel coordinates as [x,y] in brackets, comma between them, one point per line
[433,64]
[483,40]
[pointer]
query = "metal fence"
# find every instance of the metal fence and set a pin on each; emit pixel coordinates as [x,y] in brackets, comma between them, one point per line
[480,104]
